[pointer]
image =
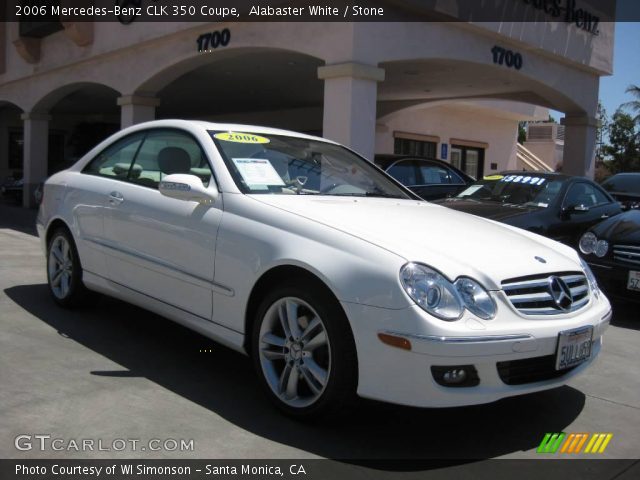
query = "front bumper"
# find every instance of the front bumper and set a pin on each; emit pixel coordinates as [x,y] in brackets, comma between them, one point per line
[613,277]
[405,377]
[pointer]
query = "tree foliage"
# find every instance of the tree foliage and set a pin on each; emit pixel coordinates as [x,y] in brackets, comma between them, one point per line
[623,149]
[634,105]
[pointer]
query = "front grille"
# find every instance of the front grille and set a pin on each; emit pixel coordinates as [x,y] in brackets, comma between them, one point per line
[532,295]
[530,370]
[627,254]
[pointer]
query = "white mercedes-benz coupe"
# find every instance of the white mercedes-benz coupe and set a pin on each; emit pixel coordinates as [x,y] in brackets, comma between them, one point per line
[335,279]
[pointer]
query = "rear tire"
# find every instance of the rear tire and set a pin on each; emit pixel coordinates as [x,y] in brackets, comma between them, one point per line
[64,272]
[303,351]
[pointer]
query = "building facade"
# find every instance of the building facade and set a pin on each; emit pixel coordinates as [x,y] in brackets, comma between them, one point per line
[453,90]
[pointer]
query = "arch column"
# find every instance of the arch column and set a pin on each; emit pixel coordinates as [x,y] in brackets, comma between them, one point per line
[579,145]
[137,109]
[35,153]
[350,96]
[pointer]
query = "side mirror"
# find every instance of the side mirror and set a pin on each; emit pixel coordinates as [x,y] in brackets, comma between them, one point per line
[576,209]
[183,186]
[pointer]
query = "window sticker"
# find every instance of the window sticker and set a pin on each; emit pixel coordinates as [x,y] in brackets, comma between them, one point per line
[241,137]
[471,190]
[258,172]
[525,179]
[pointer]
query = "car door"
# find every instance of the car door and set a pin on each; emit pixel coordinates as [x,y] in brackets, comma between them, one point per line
[160,246]
[89,192]
[584,205]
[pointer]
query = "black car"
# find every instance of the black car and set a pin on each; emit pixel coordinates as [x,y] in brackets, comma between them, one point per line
[551,204]
[624,187]
[612,250]
[428,178]
[12,189]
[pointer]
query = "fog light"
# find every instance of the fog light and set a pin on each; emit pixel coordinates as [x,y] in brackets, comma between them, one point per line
[455,375]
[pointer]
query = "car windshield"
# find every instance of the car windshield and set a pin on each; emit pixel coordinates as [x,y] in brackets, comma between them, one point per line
[623,184]
[524,190]
[280,164]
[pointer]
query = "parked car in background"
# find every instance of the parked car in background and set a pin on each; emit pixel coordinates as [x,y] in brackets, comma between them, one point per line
[12,189]
[550,204]
[428,178]
[328,273]
[625,188]
[612,249]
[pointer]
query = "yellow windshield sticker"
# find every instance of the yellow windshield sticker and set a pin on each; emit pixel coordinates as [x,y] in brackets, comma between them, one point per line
[494,177]
[241,137]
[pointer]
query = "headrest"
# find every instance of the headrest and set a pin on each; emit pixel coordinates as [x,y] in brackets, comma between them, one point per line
[174,160]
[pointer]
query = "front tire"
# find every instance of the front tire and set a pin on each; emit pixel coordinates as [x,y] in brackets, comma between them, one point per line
[64,273]
[303,351]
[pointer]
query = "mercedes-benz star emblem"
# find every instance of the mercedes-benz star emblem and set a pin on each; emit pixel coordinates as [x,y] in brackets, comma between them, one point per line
[561,293]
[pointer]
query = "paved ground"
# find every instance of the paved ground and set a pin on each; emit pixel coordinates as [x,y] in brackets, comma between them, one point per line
[114,371]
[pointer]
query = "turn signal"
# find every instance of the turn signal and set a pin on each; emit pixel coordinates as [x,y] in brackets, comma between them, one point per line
[394,341]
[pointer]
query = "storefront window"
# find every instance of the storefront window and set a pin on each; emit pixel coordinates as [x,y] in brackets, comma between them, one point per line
[406,146]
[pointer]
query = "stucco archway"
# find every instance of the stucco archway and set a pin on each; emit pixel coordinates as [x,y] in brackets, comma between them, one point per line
[411,83]
[274,87]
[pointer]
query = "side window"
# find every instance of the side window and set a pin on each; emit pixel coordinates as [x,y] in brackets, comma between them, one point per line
[404,172]
[115,160]
[435,175]
[584,194]
[601,198]
[165,152]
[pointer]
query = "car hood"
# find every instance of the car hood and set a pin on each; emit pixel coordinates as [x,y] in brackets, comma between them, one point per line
[453,242]
[621,229]
[493,210]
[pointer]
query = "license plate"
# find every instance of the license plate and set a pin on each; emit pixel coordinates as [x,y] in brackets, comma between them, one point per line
[634,281]
[574,347]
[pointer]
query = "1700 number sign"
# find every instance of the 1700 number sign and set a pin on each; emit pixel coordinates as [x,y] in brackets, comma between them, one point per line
[502,56]
[213,40]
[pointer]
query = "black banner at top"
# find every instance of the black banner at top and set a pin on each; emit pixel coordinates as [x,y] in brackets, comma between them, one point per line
[38,13]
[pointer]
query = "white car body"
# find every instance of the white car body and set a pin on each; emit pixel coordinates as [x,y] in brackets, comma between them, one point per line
[198,265]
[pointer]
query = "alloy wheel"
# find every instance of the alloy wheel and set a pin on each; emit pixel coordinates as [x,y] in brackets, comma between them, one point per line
[295,352]
[60,267]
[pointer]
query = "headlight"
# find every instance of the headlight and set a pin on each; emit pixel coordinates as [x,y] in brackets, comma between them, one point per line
[602,247]
[593,283]
[588,243]
[476,298]
[431,291]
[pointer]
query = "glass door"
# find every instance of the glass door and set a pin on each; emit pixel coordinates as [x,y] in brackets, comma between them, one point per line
[468,159]
[456,157]
[472,162]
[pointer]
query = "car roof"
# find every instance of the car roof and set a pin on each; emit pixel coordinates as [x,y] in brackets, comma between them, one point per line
[394,157]
[625,174]
[228,127]
[386,159]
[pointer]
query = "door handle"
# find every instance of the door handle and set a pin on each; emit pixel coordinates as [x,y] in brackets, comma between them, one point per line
[115,198]
[604,215]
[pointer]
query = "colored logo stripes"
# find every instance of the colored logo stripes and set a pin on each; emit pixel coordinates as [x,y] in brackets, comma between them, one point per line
[574,443]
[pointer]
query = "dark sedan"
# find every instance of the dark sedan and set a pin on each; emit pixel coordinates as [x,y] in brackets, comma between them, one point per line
[551,204]
[612,249]
[624,187]
[427,177]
